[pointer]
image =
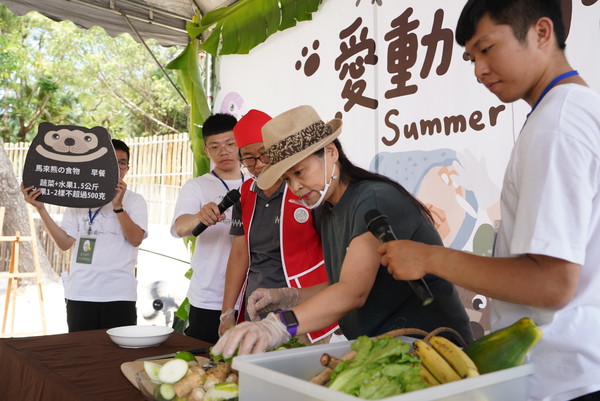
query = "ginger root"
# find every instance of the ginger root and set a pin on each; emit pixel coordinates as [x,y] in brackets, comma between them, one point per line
[195,377]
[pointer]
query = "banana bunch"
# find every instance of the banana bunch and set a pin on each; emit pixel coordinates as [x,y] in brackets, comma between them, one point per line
[442,361]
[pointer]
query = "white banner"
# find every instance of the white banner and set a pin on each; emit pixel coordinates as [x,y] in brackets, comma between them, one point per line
[411,106]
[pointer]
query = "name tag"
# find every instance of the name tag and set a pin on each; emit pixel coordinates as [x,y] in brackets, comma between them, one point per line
[85,251]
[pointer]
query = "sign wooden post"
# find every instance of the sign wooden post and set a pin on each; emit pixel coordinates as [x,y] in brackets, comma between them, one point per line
[13,275]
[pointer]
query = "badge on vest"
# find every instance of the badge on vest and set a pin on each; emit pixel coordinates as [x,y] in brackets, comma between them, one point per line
[301,215]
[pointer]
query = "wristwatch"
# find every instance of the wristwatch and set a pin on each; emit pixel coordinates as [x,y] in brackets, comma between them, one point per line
[290,321]
[118,210]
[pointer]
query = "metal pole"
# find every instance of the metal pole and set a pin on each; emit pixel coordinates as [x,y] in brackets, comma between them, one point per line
[152,54]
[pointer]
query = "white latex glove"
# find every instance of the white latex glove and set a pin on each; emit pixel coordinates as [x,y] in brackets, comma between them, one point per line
[271,299]
[227,320]
[252,337]
[473,175]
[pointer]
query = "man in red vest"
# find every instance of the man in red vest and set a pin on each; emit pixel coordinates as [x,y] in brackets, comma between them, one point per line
[276,244]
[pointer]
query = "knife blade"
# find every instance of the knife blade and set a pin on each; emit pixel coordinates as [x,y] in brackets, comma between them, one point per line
[195,351]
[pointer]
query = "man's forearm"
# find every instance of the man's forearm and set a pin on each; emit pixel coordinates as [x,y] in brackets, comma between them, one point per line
[185,224]
[132,232]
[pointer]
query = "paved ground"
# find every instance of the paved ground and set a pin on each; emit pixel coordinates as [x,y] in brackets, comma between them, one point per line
[159,277]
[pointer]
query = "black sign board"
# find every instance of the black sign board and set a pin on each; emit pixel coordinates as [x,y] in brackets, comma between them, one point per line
[73,166]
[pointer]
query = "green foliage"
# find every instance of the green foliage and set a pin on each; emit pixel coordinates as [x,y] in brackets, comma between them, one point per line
[293,342]
[239,28]
[381,368]
[190,78]
[184,310]
[57,72]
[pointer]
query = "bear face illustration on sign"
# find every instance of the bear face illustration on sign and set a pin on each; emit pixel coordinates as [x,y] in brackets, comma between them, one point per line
[73,166]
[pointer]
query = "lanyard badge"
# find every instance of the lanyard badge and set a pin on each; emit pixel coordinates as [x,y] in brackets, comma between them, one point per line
[91,219]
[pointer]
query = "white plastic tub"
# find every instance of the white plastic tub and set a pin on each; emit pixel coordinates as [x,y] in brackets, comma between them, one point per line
[283,375]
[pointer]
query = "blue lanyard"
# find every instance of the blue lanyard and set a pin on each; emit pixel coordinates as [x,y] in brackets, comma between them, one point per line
[224,183]
[92,218]
[556,80]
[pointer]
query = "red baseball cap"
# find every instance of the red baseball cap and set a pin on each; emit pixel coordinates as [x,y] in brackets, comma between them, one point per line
[248,129]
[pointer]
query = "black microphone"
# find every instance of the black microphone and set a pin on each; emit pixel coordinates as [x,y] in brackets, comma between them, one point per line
[379,225]
[229,200]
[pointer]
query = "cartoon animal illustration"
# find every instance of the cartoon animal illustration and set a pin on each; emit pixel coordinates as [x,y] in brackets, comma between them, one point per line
[233,103]
[439,179]
[71,146]
[73,166]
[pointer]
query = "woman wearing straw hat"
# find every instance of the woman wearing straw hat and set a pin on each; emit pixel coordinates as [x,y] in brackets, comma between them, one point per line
[360,295]
[275,242]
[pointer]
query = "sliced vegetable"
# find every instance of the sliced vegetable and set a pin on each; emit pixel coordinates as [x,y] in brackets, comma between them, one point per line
[164,392]
[221,392]
[152,370]
[173,371]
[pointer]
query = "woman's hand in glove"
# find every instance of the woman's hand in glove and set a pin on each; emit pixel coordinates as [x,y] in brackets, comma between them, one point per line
[227,320]
[271,299]
[252,337]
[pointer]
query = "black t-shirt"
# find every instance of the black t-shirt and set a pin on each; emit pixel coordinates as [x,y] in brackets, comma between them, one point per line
[391,304]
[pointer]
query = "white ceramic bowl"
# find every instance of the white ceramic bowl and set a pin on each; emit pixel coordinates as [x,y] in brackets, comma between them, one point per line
[139,336]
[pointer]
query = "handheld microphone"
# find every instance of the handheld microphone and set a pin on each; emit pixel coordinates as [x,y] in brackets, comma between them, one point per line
[379,225]
[229,200]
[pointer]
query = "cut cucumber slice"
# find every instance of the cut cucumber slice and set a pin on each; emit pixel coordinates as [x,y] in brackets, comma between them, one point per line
[152,370]
[164,392]
[173,371]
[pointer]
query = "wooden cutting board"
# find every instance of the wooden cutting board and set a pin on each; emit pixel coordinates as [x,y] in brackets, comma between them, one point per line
[130,369]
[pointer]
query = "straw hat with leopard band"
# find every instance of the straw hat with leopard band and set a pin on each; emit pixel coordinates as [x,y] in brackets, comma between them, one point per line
[291,137]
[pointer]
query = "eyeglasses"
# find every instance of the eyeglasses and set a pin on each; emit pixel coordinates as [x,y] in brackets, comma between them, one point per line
[215,149]
[123,164]
[251,161]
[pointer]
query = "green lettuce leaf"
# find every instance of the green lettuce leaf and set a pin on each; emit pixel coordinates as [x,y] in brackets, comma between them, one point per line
[381,368]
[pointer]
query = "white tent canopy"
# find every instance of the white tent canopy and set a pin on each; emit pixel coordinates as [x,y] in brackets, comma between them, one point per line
[163,20]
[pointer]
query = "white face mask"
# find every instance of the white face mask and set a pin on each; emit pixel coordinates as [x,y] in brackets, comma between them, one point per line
[322,192]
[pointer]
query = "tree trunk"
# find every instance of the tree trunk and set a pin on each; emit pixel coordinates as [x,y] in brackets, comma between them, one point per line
[16,218]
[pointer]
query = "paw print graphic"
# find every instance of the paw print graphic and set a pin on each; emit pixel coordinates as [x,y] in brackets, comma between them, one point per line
[311,61]
[379,2]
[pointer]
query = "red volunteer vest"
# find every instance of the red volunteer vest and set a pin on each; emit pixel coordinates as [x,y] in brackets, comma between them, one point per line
[299,242]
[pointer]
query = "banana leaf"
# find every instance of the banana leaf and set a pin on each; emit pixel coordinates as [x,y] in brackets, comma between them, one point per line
[240,27]
[236,29]
[189,78]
